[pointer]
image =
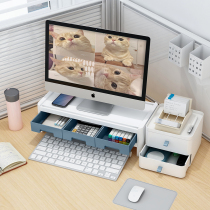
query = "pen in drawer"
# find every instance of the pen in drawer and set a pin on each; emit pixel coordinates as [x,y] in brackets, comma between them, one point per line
[110,134]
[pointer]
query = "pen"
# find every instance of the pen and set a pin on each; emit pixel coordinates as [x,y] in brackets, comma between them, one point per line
[58,124]
[192,125]
[64,121]
[57,121]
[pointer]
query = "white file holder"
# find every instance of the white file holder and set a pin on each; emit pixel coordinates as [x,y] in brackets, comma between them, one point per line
[199,62]
[179,50]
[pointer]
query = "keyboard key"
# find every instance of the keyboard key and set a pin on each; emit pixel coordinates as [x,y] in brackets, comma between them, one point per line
[88,170]
[49,150]
[50,145]
[101,163]
[84,158]
[72,146]
[96,152]
[43,144]
[66,159]
[78,152]
[49,155]
[78,148]
[44,140]
[107,174]
[33,156]
[90,155]
[89,160]
[61,148]
[107,155]
[85,154]
[111,170]
[52,137]
[76,143]
[67,150]
[69,165]
[55,151]
[107,164]
[60,158]
[102,168]
[56,147]
[47,136]
[116,166]
[121,158]
[108,160]
[67,145]
[60,153]
[39,152]
[78,162]
[90,165]
[100,174]
[55,142]
[50,141]
[50,160]
[72,160]
[102,158]
[61,144]
[106,150]
[95,161]
[84,163]
[112,177]
[41,148]
[102,154]
[120,163]
[95,171]
[114,156]
[66,154]
[78,157]
[96,166]
[112,152]
[55,156]
[44,158]
[73,151]
[90,151]
[84,149]
[96,157]
[114,161]
[72,155]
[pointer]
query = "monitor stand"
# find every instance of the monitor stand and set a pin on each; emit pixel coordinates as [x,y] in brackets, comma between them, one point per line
[95,107]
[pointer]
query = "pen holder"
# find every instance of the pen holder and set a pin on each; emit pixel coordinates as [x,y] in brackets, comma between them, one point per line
[179,50]
[199,62]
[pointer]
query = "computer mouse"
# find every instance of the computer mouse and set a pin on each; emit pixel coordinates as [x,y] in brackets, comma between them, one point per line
[135,194]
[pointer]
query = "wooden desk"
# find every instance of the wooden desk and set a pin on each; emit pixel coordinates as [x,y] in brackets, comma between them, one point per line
[41,186]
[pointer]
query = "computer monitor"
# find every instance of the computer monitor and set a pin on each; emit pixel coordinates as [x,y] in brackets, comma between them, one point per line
[96,64]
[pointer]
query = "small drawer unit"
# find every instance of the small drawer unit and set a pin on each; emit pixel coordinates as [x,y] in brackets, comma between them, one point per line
[37,124]
[183,144]
[163,167]
[69,134]
[102,142]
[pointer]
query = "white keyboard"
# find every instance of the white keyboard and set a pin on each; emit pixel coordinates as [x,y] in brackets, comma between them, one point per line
[77,156]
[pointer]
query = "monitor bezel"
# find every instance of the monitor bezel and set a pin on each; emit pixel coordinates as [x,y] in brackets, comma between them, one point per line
[123,95]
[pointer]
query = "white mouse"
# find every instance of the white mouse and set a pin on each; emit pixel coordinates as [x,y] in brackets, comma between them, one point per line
[135,194]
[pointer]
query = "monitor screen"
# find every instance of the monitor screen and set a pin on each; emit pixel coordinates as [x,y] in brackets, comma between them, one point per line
[96,59]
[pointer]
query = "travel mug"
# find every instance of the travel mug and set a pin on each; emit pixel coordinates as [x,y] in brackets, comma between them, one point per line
[13,109]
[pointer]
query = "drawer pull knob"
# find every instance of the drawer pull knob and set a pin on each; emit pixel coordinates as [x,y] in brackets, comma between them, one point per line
[159,169]
[166,143]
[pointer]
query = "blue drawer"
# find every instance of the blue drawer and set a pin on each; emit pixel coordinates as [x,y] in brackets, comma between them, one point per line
[36,125]
[69,135]
[101,141]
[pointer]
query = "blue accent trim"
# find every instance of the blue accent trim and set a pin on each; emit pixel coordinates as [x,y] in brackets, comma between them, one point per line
[166,143]
[159,169]
[171,96]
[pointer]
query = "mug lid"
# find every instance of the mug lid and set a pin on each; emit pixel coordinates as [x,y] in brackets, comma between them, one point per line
[11,94]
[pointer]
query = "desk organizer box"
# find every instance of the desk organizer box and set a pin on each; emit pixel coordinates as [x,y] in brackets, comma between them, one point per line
[185,144]
[199,62]
[179,50]
[100,140]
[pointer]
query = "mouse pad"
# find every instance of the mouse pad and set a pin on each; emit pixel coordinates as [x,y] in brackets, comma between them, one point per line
[153,197]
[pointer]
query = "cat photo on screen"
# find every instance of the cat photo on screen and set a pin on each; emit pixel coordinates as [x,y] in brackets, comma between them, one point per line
[118,79]
[73,42]
[72,70]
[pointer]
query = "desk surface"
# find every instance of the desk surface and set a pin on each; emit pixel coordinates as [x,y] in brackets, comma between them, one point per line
[41,186]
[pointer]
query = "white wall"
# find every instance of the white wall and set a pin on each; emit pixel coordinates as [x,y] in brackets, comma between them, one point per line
[193,15]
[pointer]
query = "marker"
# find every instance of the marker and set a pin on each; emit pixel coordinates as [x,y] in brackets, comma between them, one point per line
[113,136]
[121,137]
[58,120]
[125,137]
[117,136]
[110,134]
[64,121]
[128,140]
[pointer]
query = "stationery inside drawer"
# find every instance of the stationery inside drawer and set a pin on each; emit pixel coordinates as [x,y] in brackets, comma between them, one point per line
[164,156]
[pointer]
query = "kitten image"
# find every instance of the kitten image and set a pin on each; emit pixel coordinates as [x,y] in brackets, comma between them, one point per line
[69,69]
[116,49]
[111,78]
[73,41]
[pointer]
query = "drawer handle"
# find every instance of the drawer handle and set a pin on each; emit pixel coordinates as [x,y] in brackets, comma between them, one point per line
[159,169]
[166,143]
